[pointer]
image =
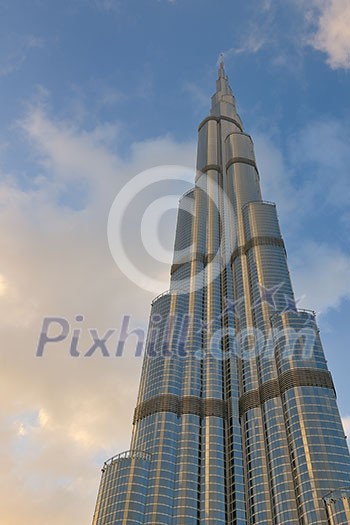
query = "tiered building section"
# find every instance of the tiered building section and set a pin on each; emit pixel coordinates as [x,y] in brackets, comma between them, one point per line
[236,420]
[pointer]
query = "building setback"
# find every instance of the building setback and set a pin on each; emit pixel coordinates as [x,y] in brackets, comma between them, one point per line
[236,420]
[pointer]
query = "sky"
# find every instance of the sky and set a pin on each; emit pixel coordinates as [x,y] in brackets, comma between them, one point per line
[93,92]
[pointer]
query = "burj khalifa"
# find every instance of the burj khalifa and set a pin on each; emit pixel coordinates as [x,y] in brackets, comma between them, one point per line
[236,420]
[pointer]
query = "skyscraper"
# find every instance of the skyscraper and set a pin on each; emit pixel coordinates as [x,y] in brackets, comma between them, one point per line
[236,420]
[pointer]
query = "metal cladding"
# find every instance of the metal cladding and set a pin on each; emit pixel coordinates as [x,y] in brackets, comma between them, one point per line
[237,420]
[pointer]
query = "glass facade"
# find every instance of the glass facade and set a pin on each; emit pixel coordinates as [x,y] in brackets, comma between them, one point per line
[123,489]
[236,420]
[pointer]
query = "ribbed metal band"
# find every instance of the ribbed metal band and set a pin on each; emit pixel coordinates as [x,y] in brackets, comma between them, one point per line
[176,266]
[256,241]
[217,119]
[248,401]
[214,407]
[237,252]
[161,403]
[191,405]
[208,167]
[305,377]
[269,390]
[204,258]
[242,160]
[290,379]
[253,399]
[185,405]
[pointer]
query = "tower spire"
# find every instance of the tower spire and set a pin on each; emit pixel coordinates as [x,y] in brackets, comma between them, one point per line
[223,101]
[222,66]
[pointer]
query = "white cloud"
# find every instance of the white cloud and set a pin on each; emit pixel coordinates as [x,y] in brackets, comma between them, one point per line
[276,175]
[200,98]
[320,270]
[109,96]
[107,5]
[256,32]
[321,149]
[61,417]
[266,5]
[330,33]
[321,274]
[15,50]
[250,44]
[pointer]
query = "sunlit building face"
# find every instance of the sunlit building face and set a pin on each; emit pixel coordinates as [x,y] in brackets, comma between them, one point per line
[236,420]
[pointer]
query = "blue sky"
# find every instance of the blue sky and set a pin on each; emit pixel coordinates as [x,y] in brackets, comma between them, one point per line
[94,92]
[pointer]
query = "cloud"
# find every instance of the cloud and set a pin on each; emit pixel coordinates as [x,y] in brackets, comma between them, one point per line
[109,96]
[61,417]
[276,175]
[69,154]
[319,268]
[266,5]
[111,7]
[256,32]
[330,33]
[252,43]
[322,24]
[106,5]
[320,272]
[15,51]
[199,97]
[321,149]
